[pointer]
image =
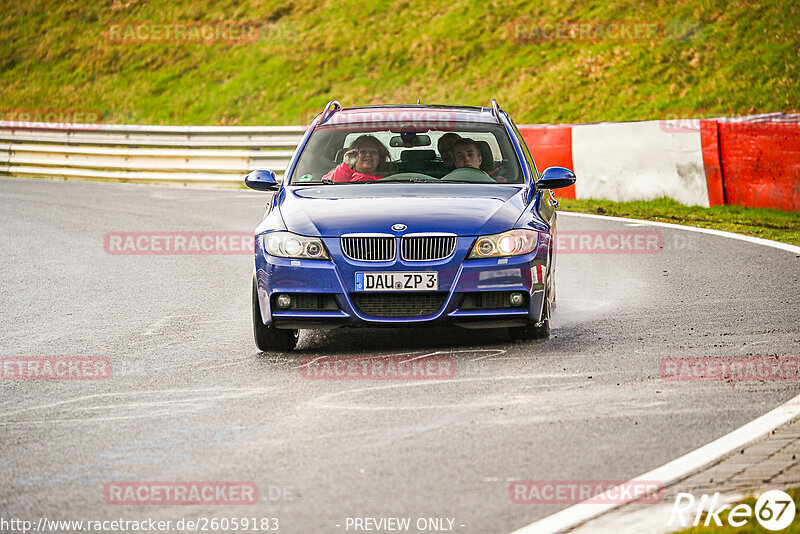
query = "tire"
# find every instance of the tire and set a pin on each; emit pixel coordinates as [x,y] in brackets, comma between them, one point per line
[269,338]
[524,333]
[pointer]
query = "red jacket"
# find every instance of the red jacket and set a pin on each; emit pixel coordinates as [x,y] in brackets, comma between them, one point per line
[343,173]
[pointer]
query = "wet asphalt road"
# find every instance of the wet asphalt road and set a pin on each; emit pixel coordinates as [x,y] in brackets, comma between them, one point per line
[191,399]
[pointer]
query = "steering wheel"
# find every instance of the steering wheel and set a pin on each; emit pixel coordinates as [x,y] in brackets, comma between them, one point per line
[407,177]
[468,174]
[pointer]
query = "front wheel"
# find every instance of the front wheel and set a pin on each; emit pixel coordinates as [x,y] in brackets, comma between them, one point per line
[533,331]
[269,338]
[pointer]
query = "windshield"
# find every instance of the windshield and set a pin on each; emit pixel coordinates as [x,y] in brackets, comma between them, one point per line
[393,152]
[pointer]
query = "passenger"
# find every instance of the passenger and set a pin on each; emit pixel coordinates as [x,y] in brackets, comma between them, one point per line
[445,145]
[366,160]
[467,154]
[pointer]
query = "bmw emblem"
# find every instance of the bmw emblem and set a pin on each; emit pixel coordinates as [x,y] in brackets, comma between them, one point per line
[399,227]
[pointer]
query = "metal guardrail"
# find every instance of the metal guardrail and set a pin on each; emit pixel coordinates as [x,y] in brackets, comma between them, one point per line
[214,155]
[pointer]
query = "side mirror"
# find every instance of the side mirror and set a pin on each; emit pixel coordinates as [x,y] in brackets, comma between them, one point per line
[261,181]
[556,178]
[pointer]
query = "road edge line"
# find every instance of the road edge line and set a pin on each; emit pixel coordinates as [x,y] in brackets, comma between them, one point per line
[671,472]
[692,462]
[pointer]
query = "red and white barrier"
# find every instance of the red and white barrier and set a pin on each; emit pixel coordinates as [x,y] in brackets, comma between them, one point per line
[749,161]
[754,164]
[638,160]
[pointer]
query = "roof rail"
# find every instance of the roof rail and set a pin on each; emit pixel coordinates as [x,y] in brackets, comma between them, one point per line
[330,108]
[496,111]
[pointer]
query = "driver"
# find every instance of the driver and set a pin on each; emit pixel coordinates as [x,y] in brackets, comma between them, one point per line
[366,160]
[467,154]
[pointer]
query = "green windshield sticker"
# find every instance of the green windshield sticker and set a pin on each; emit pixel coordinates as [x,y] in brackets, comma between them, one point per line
[306,178]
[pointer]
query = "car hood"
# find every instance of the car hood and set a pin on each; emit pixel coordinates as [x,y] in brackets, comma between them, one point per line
[468,209]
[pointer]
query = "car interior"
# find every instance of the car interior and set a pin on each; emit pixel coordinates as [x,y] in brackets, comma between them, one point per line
[414,156]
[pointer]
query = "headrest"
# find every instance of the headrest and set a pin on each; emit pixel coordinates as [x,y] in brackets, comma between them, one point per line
[418,155]
[486,150]
[487,158]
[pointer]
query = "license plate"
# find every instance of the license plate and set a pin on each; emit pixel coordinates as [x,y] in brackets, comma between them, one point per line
[398,281]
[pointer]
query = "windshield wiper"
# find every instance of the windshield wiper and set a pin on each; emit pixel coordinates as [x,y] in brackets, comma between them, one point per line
[410,180]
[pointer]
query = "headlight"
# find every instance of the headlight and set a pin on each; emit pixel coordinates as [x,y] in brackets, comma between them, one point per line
[289,245]
[511,243]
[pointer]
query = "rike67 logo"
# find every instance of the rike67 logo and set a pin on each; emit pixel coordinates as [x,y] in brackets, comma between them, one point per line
[774,510]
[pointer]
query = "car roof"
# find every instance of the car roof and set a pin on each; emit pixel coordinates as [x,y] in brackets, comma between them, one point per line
[412,113]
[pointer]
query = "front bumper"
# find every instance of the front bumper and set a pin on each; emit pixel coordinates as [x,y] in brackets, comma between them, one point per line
[458,279]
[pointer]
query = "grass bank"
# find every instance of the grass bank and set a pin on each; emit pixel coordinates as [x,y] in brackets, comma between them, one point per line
[552,61]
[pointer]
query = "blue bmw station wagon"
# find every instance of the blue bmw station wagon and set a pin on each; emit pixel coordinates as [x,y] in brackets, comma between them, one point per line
[406,216]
